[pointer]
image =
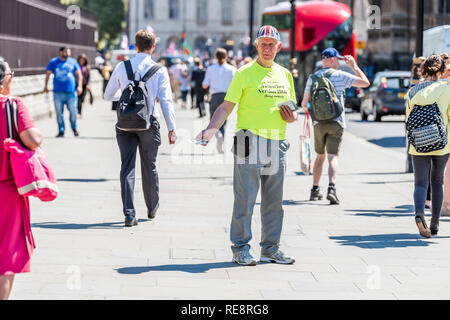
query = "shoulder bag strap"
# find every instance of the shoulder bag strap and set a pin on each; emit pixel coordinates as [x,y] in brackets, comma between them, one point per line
[129,69]
[12,115]
[9,118]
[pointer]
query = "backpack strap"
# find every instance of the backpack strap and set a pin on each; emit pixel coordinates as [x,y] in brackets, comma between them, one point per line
[328,73]
[129,69]
[151,72]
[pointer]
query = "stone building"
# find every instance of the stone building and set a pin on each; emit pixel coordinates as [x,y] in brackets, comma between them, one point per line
[207,24]
[393,44]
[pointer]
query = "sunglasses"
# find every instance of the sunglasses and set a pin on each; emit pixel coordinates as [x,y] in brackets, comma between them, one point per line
[324,57]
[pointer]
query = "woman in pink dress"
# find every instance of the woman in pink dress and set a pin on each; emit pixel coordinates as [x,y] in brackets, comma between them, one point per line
[16,239]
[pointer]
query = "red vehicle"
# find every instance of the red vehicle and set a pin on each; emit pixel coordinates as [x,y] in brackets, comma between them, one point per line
[318,25]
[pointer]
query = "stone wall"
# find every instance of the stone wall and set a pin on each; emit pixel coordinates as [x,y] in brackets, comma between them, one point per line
[30,89]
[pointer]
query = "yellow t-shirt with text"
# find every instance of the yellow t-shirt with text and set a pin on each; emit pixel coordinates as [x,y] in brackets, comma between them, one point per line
[258,91]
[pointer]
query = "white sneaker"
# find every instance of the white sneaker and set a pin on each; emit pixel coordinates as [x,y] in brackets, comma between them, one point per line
[278,257]
[244,258]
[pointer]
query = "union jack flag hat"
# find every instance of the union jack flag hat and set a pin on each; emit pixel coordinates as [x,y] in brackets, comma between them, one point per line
[268,32]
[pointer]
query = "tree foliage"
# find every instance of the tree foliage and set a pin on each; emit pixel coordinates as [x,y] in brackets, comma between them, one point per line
[110,16]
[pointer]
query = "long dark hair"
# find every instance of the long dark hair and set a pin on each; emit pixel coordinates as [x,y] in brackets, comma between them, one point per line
[432,66]
[83,56]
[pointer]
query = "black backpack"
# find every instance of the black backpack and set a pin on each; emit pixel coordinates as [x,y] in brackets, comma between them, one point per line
[133,110]
[425,128]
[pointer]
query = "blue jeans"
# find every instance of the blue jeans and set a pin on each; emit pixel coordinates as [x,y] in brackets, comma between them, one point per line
[71,100]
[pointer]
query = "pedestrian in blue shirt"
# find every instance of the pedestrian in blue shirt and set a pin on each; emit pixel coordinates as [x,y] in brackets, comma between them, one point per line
[67,85]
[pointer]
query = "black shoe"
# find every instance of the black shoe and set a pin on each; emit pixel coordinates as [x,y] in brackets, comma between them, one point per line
[315,195]
[434,226]
[130,221]
[332,196]
[151,214]
[422,225]
[76,133]
[60,135]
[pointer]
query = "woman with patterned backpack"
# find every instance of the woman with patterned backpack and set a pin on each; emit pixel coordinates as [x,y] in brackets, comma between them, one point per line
[428,130]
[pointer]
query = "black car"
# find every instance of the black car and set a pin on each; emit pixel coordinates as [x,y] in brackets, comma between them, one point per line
[386,95]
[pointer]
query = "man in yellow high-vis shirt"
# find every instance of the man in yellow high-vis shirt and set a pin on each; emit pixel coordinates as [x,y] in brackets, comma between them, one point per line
[260,146]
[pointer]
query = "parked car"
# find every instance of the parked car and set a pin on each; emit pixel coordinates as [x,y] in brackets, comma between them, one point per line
[386,95]
[352,95]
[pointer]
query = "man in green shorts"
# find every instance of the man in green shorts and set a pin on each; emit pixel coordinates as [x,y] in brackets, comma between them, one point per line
[328,135]
[260,147]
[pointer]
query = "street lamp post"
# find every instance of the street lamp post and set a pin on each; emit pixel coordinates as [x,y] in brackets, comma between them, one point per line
[293,61]
[416,63]
[293,13]
[250,45]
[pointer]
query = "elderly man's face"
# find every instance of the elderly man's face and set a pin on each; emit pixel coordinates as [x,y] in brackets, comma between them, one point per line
[267,48]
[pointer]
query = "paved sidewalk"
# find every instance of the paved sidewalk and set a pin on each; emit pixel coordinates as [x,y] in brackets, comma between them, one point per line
[366,248]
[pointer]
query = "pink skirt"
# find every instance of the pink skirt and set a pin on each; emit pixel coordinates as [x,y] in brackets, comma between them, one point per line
[16,239]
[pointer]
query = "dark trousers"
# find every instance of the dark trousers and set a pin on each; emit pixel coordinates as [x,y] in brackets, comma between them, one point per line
[216,101]
[81,98]
[148,142]
[200,101]
[422,166]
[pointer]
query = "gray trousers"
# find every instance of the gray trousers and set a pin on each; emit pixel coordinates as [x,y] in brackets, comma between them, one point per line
[148,142]
[265,166]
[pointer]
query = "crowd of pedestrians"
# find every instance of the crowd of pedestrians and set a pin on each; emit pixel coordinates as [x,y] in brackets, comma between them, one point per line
[264,93]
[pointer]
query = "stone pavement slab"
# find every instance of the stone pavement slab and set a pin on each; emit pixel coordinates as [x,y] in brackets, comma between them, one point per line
[366,248]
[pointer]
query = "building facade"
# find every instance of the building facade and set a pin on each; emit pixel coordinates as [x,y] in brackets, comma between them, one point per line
[207,24]
[393,44]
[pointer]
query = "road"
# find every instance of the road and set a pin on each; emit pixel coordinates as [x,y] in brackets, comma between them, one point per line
[389,133]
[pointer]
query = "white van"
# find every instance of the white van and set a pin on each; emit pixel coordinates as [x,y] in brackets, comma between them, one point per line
[436,40]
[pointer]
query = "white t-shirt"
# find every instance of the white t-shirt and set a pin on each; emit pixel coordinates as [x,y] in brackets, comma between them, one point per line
[218,77]
[176,71]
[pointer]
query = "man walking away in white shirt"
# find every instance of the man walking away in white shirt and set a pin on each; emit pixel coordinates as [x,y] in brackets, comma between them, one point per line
[148,141]
[218,78]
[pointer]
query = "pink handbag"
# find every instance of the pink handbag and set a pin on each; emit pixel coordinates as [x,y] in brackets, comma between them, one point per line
[31,169]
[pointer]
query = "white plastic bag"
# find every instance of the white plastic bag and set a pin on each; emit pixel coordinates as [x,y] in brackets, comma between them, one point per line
[305,147]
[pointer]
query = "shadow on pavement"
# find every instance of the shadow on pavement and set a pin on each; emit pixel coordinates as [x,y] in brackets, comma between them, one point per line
[388,182]
[381,241]
[302,202]
[78,226]
[81,137]
[399,211]
[86,180]
[190,268]
[390,142]
[372,173]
